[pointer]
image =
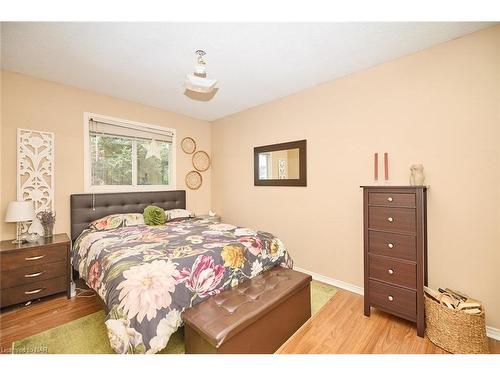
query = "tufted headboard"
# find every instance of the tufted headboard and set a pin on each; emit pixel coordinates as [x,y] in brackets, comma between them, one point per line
[86,208]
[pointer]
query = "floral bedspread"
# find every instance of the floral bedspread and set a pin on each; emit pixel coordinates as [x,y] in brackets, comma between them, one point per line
[147,275]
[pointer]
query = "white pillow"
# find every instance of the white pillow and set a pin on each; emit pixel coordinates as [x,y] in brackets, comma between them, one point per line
[178,213]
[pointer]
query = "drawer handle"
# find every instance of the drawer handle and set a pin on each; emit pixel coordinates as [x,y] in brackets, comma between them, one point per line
[390,219]
[34,274]
[390,245]
[390,298]
[389,199]
[35,258]
[390,271]
[35,291]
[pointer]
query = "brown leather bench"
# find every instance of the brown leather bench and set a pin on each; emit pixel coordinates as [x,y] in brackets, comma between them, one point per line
[257,316]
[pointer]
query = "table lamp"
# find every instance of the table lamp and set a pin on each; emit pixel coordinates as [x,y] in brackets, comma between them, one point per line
[18,212]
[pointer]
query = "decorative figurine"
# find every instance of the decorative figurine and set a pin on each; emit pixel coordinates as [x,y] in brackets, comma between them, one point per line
[417,177]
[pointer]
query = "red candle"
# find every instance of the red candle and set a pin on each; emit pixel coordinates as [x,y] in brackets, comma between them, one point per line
[386,165]
[375,166]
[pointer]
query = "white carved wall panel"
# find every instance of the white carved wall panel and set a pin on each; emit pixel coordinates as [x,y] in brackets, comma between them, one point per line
[35,172]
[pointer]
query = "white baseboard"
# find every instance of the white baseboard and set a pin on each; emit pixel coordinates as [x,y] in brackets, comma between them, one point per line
[491,332]
[328,280]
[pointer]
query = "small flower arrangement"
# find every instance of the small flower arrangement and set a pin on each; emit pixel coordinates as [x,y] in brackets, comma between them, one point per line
[47,220]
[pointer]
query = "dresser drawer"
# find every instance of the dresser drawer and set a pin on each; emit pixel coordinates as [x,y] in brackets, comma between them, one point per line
[33,257]
[399,301]
[392,219]
[401,273]
[392,199]
[30,274]
[34,290]
[392,245]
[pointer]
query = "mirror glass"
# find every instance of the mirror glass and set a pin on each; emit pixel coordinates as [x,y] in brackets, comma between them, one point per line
[279,165]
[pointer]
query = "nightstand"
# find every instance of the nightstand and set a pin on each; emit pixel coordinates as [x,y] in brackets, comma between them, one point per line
[213,219]
[33,270]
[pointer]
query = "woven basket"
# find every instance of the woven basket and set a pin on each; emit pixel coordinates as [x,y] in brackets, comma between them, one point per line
[455,331]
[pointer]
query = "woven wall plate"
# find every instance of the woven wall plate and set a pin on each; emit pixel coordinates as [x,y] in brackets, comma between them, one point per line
[201,161]
[194,180]
[188,145]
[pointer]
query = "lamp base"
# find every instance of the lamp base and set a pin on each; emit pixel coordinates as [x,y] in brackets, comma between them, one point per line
[19,239]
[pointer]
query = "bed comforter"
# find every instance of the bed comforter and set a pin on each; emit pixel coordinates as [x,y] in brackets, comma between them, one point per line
[148,275]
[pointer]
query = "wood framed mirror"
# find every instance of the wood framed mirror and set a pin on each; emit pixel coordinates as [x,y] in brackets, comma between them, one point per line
[281,164]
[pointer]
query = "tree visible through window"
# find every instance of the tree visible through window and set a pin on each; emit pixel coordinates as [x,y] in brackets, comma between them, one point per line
[152,170]
[136,156]
[111,160]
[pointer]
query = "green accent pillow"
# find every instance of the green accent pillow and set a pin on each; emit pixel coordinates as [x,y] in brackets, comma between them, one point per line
[154,215]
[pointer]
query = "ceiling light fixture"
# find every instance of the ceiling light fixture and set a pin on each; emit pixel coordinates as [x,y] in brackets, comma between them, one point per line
[198,81]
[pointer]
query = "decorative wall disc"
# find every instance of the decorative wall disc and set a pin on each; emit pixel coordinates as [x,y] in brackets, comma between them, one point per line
[193,180]
[201,161]
[188,145]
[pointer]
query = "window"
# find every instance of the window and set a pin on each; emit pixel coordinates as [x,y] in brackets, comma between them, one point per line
[127,156]
[264,166]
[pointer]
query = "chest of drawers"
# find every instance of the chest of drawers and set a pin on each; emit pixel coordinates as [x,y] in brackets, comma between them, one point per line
[34,270]
[395,251]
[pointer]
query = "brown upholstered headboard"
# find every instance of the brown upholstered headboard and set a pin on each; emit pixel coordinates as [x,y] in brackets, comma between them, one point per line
[86,208]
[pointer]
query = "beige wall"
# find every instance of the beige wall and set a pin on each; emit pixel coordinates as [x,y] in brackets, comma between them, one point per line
[41,105]
[1,157]
[439,107]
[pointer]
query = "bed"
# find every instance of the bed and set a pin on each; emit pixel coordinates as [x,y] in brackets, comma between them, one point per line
[146,276]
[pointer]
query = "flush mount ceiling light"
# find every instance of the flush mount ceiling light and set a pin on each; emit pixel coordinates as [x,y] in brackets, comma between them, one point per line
[198,81]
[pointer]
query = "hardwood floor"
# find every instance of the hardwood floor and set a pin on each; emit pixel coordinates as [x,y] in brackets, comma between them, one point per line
[340,327]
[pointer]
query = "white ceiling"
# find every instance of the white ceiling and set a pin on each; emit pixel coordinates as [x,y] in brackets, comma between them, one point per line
[254,63]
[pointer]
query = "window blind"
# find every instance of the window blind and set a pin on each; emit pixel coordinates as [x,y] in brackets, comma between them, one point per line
[101,127]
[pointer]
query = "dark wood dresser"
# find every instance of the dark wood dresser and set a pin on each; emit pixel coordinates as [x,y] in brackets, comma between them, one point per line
[395,251]
[32,270]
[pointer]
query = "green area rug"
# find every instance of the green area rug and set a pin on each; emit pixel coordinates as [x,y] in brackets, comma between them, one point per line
[88,335]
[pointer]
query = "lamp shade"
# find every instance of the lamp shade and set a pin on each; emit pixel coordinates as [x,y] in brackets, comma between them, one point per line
[20,211]
[199,84]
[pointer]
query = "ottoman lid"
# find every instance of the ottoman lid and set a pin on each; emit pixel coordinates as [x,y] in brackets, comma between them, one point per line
[222,316]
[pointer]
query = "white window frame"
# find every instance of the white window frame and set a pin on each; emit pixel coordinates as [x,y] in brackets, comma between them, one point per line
[269,166]
[87,165]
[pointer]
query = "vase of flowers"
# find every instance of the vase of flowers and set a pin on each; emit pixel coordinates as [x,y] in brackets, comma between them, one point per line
[47,219]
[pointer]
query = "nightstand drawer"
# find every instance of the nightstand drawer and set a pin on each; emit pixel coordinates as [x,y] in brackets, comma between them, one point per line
[392,245]
[402,273]
[11,296]
[392,219]
[33,257]
[27,275]
[392,199]
[399,301]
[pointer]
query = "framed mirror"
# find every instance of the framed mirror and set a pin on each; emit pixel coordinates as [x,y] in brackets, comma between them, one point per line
[282,164]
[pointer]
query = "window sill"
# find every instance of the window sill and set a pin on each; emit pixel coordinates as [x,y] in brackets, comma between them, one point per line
[127,188]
